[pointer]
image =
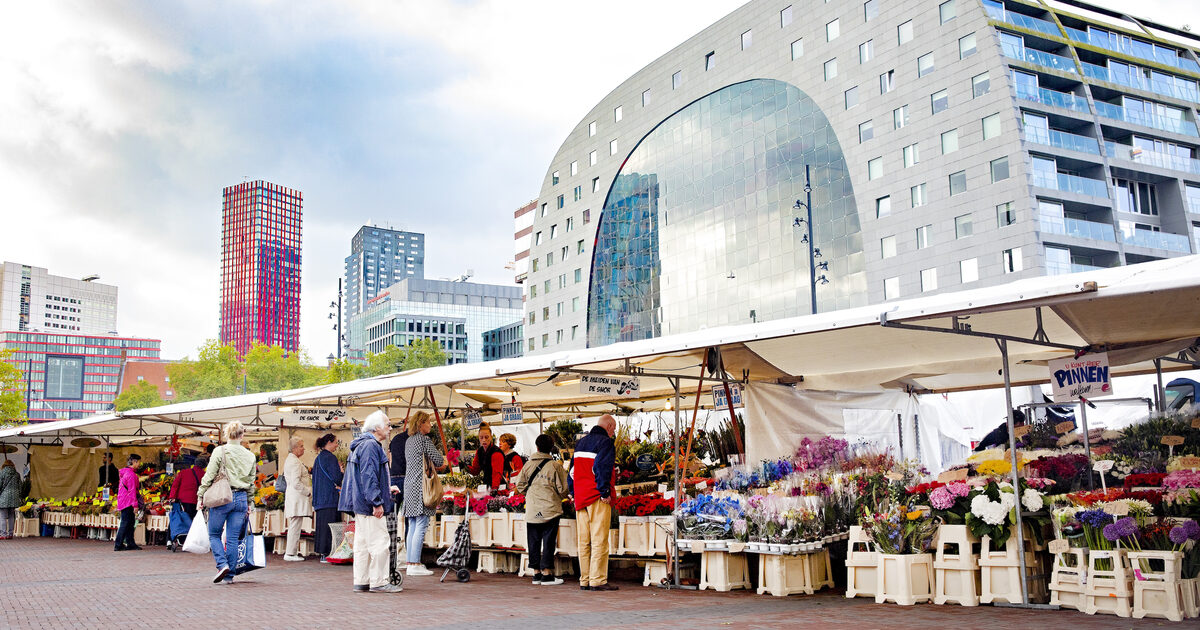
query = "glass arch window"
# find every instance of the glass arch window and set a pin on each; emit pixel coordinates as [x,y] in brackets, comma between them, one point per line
[698,228]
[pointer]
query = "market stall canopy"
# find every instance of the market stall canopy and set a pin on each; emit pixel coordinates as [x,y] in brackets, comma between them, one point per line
[112,428]
[257,411]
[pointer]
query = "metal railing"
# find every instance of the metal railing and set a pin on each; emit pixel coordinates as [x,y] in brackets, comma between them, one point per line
[1133,80]
[1117,44]
[1158,240]
[1024,21]
[1063,140]
[1050,97]
[1078,228]
[1040,57]
[1071,183]
[1146,119]
[1153,158]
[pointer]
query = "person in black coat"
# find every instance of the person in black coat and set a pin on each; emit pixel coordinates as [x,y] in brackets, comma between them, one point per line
[326,491]
[109,475]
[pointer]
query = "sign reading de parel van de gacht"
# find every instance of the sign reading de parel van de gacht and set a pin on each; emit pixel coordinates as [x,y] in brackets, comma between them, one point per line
[1085,377]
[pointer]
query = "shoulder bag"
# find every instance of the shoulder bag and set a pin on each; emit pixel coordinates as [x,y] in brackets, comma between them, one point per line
[220,492]
[431,486]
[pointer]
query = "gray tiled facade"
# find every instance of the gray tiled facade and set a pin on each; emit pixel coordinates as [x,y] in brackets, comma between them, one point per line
[1059,88]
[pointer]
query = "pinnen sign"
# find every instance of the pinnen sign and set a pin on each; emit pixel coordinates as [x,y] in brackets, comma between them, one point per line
[1085,377]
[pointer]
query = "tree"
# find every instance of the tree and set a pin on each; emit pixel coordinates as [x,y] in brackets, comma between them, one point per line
[216,372]
[140,395]
[12,388]
[273,368]
[424,353]
[389,361]
[340,371]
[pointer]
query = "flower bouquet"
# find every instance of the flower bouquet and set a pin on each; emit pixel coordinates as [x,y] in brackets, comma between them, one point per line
[709,518]
[899,530]
[516,503]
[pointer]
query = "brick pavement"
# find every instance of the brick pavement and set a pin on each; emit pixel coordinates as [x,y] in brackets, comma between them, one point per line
[52,583]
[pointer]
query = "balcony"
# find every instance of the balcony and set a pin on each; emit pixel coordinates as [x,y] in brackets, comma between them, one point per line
[1078,228]
[1158,240]
[1124,45]
[1153,158]
[1146,119]
[1071,183]
[1058,269]
[1157,86]
[1040,57]
[1062,140]
[1050,97]
[1024,21]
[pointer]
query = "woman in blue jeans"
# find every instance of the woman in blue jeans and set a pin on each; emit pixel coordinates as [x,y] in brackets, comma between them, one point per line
[238,464]
[417,451]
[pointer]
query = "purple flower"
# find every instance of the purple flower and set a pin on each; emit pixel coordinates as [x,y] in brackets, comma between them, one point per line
[1124,528]
[941,498]
[1185,531]
[1096,519]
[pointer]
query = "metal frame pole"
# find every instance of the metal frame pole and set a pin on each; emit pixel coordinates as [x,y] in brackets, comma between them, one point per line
[1016,475]
[675,447]
[1160,398]
[1087,442]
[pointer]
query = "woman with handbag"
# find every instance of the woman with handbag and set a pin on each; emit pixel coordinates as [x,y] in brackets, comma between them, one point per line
[423,460]
[327,486]
[223,493]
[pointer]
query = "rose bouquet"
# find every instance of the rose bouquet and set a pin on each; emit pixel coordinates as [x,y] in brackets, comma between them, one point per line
[515,503]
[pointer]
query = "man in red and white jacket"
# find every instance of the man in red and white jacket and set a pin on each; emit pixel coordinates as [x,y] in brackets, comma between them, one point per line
[593,476]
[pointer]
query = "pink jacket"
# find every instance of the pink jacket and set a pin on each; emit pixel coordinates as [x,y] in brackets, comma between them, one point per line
[128,488]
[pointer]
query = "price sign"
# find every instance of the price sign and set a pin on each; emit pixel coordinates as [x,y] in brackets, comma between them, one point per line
[645,461]
[702,485]
[1058,545]
[511,414]
[737,547]
[1021,431]
[1064,427]
[473,420]
[1191,461]
[1172,440]
[953,475]
[697,546]
[1103,465]
[1117,508]
[1196,422]
[895,476]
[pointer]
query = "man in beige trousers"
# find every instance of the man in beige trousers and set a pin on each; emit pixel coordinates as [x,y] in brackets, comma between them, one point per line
[593,477]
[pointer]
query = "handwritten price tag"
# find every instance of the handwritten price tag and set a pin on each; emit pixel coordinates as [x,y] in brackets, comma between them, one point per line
[1021,431]
[697,546]
[953,475]
[895,476]
[1172,440]
[1117,508]
[1103,465]
[1064,427]
[737,547]
[1191,461]
[1058,545]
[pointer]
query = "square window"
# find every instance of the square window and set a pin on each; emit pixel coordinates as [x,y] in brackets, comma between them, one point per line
[900,116]
[939,101]
[645,98]
[851,97]
[618,113]
[832,30]
[592,157]
[912,155]
[962,226]
[560,206]
[554,178]
[946,11]
[904,33]
[991,126]
[929,279]
[1011,259]
[999,169]
[870,10]
[612,147]
[875,168]
[968,270]
[966,46]
[887,246]
[591,132]
[710,61]
[883,207]
[980,84]
[866,50]
[917,195]
[595,184]
[865,131]
[785,16]
[923,234]
[831,69]
[747,39]
[949,141]
[1005,214]
[887,81]
[676,79]
[924,64]
[574,167]
[797,49]
[958,182]
[891,288]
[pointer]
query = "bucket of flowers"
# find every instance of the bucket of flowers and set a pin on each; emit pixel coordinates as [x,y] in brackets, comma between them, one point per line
[902,536]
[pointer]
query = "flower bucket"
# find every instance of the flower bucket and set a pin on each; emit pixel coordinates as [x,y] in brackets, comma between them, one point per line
[633,536]
[273,523]
[956,566]
[904,579]
[1158,584]
[862,564]
[520,532]
[450,523]
[480,532]
[1067,578]
[1000,572]
[1109,590]
[1190,591]
[499,529]
[660,534]
[568,538]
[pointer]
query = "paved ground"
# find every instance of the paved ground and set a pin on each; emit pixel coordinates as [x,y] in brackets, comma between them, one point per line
[52,583]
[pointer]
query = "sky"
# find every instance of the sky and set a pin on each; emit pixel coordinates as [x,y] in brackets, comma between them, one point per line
[121,123]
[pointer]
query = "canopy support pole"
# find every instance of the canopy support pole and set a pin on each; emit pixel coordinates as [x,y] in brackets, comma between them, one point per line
[1161,396]
[438,417]
[1087,442]
[733,426]
[675,523]
[1016,473]
[687,454]
[412,395]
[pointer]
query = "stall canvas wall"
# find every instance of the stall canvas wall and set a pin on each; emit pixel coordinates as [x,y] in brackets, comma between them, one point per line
[58,473]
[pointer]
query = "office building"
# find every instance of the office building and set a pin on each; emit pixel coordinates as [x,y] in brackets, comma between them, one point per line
[504,342]
[949,144]
[260,266]
[380,257]
[522,237]
[455,314]
[32,299]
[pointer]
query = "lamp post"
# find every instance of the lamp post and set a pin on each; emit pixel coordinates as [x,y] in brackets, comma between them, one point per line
[813,252]
[338,325]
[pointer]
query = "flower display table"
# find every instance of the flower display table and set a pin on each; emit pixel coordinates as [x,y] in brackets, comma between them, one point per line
[862,562]
[956,566]
[156,523]
[1109,587]
[562,566]
[491,561]
[1158,589]
[1067,578]
[721,570]
[904,579]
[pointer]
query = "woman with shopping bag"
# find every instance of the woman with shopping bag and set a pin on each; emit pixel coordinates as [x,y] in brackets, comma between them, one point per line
[223,493]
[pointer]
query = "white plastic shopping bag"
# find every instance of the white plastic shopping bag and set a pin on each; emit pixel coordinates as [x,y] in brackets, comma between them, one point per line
[197,537]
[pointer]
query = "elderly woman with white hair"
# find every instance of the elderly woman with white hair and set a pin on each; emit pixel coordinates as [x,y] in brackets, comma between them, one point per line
[297,500]
[238,464]
[367,493]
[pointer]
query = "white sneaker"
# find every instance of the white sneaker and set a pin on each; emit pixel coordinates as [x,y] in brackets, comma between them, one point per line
[549,580]
[418,569]
[294,558]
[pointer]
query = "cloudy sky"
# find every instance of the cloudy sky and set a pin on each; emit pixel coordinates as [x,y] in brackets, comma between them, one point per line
[120,123]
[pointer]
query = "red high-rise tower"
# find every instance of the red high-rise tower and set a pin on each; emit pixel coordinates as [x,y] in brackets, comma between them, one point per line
[260,266]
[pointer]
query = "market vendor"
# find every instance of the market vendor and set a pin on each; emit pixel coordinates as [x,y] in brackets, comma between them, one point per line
[186,483]
[489,460]
[998,437]
[512,460]
[109,476]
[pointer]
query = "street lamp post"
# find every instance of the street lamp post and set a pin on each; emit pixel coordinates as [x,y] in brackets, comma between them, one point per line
[338,325]
[813,252]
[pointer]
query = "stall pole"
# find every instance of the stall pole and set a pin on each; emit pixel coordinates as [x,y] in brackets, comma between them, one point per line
[411,397]
[438,417]
[737,437]
[687,454]
[1087,442]
[675,447]
[1016,475]
[1161,394]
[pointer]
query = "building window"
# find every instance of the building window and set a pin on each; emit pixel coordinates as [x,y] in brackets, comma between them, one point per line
[831,69]
[747,39]
[612,147]
[900,116]
[883,206]
[865,131]
[949,141]
[923,235]
[531,344]
[554,231]
[592,157]
[929,279]
[968,270]
[535,263]
[966,46]
[866,50]
[549,259]
[676,79]
[574,304]
[645,98]
[946,12]
[533,290]
[546,288]
[887,246]
[595,184]
[875,168]
[574,167]
[579,245]
[924,64]
[578,192]
[958,182]
[785,16]
[891,288]
[1011,259]
[917,195]
[560,202]
[870,10]
[912,155]
[579,275]
[999,169]
[545,339]
[574,331]
[962,226]
[832,30]
[939,100]
[904,33]
[554,178]
[797,49]
[570,226]
[591,132]
[532,317]
[980,84]
[710,61]
[537,238]
[887,81]
[991,126]
[1005,214]
[851,97]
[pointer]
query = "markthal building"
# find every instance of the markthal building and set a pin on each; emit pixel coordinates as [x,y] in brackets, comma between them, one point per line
[945,146]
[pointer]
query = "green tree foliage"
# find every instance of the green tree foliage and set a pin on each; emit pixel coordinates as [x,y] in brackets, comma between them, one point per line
[216,372]
[340,371]
[140,395]
[12,391]
[421,353]
[389,361]
[271,368]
